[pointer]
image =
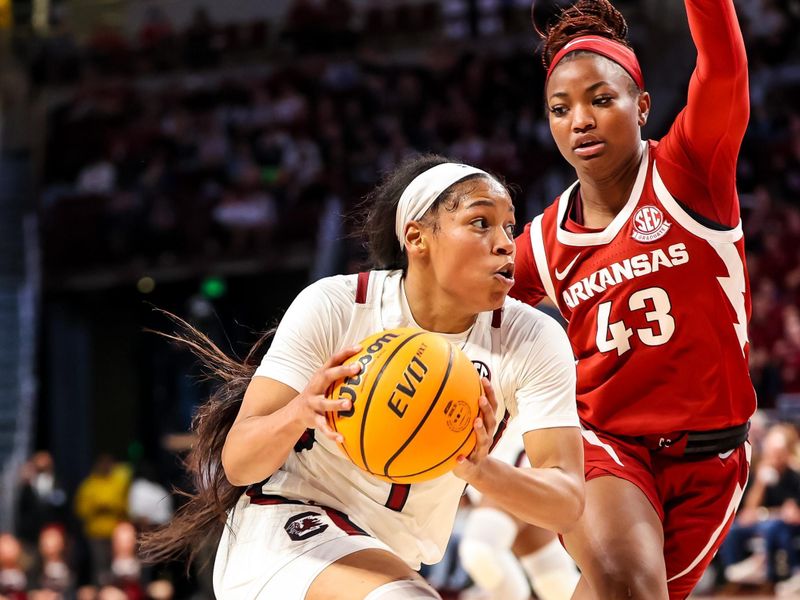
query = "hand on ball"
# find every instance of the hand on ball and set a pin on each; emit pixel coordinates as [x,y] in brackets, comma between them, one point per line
[484,426]
[311,404]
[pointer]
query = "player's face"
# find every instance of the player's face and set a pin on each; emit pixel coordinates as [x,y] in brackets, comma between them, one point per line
[472,249]
[594,118]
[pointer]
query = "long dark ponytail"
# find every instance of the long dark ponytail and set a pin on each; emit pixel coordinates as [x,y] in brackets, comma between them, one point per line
[201,519]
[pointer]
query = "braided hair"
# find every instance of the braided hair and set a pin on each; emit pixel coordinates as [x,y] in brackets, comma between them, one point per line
[585,17]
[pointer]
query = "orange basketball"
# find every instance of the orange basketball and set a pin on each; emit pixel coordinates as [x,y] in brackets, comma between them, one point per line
[413,406]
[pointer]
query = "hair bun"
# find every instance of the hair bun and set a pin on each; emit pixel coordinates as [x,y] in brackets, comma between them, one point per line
[585,17]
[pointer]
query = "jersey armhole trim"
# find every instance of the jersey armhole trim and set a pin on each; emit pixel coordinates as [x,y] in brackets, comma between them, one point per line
[540,258]
[687,221]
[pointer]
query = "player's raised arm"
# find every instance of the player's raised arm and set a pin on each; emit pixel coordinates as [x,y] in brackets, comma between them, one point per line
[697,158]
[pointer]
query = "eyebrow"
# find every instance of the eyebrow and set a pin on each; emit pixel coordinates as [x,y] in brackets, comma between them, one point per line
[591,88]
[490,203]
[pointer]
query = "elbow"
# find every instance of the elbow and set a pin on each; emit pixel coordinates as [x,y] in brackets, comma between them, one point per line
[235,471]
[572,507]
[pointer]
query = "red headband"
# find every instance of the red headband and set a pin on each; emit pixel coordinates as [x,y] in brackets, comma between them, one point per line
[619,53]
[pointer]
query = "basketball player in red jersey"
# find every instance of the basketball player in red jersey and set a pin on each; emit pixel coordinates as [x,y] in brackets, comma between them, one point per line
[644,257]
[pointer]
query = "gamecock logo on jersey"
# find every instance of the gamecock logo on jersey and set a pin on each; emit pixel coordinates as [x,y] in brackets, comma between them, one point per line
[483,369]
[649,224]
[303,526]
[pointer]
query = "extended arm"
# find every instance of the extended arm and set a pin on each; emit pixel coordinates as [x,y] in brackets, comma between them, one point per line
[697,158]
[551,493]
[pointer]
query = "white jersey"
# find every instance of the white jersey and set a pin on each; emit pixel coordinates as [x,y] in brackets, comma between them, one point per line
[523,352]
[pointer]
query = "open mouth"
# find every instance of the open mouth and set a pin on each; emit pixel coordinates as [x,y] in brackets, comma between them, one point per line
[506,273]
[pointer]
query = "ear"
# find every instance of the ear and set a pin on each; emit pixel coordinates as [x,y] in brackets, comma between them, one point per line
[415,238]
[643,107]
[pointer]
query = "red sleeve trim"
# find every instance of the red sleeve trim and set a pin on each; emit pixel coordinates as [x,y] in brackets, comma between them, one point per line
[528,285]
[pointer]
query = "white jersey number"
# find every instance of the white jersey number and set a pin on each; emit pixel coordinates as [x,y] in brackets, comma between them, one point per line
[616,336]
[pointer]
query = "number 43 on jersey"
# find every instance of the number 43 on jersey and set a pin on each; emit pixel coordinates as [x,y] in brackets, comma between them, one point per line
[616,336]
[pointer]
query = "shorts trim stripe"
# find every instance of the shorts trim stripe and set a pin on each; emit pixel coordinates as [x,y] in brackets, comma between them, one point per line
[343,522]
[737,496]
[257,497]
[591,437]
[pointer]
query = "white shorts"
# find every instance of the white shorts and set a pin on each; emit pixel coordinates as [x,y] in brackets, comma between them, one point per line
[274,549]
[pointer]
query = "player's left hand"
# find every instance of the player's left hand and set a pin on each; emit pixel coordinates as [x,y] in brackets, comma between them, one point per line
[469,467]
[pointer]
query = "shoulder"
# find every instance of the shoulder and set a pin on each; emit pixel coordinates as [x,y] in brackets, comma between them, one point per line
[527,328]
[330,294]
[336,287]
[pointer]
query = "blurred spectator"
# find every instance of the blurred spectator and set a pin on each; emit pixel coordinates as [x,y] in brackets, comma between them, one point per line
[149,503]
[126,568]
[787,350]
[41,500]
[54,573]
[770,512]
[101,502]
[156,33]
[199,50]
[13,581]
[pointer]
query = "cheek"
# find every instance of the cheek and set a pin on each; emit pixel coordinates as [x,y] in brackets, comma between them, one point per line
[626,122]
[558,129]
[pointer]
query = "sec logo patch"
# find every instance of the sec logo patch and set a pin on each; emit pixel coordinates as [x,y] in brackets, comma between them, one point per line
[649,224]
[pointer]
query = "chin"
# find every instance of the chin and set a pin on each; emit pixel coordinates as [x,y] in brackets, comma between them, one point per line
[497,301]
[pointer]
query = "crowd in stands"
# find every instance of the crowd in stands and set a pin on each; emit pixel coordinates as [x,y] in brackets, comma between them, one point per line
[215,165]
[84,545]
[202,152]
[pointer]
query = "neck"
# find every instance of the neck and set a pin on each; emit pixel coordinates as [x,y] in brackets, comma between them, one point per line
[603,197]
[432,308]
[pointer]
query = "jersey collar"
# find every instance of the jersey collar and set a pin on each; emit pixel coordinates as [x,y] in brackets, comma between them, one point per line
[604,236]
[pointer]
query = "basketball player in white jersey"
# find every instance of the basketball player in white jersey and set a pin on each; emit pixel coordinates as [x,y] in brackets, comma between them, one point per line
[305,523]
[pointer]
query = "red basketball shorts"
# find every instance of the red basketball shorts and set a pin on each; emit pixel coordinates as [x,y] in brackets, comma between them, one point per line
[695,498]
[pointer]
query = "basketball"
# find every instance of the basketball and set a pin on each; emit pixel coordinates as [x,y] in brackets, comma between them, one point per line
[413,406]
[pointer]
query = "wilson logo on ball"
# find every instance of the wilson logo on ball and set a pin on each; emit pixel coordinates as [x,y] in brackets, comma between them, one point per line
[348,389]
[413,406]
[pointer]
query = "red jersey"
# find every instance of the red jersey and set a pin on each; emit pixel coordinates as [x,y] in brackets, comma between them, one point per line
[658,302]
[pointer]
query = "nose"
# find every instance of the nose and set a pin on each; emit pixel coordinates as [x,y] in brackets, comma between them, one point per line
[504,244]
[582,118]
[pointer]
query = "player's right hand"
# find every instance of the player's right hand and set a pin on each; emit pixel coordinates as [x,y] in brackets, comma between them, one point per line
[309,407]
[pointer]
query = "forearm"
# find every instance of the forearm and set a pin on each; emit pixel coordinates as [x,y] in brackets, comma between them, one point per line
[718,38]
[258,445]
[697,158]
[550,497]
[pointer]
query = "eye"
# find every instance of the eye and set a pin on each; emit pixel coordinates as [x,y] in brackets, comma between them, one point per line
[559,110]
[510,229]
[480,223]
[603,100]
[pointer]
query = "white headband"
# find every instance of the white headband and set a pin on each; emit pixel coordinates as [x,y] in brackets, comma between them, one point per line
[426,187]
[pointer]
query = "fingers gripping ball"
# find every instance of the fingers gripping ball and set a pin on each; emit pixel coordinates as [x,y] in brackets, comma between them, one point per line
[413,406]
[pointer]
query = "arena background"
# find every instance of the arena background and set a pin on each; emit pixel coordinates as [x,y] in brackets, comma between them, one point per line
[198,156]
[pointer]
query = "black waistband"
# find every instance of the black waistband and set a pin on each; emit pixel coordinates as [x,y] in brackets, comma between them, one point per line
[714,442]
[696,444]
